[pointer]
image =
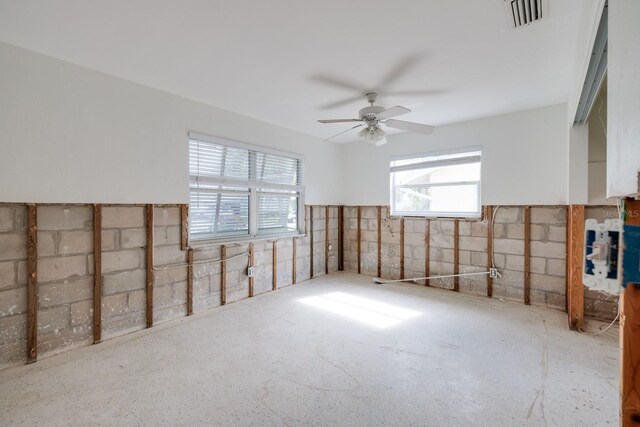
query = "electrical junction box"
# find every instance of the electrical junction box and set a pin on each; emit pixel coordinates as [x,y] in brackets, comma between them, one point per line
[601,247]
[251,271]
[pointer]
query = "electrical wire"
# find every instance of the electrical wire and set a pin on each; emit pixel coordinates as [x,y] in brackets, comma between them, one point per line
[213,261]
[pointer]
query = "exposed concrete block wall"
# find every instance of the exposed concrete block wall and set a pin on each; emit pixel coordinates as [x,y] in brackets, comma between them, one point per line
[169,281]
[123,270]
[547,256]
[66,276]
[13,283]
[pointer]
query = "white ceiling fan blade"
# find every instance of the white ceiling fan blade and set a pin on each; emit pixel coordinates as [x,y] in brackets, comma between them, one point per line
[344,131]
[410,126]
[339,120]
[392,112]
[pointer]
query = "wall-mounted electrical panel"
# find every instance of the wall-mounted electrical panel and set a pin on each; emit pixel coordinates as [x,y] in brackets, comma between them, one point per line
[601,246]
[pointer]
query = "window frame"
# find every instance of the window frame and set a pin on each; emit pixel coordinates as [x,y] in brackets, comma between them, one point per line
[471,158]
[255,187]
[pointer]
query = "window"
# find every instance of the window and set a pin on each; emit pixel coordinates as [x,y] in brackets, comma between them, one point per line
[242,191]
[439,184]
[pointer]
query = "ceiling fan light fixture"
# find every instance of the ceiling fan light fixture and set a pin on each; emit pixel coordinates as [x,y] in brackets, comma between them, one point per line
[372,135]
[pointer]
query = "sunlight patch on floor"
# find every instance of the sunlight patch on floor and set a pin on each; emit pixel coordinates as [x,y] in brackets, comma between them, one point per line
[365,310]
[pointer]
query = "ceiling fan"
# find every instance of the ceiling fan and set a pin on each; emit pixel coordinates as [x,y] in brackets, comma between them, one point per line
[373,116]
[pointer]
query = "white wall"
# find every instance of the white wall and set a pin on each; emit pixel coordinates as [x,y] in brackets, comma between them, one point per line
[623,126]
[524,158]
[70,134]
[578,172]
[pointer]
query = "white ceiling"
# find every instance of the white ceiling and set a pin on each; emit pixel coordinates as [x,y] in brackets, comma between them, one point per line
[270,59]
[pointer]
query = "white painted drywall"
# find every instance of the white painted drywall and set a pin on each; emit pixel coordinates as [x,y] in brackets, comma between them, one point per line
[578,172]
[71,134]
[524,158]
[623,114]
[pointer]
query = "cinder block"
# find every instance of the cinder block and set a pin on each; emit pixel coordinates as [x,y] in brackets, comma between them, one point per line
[109,239]
[515,231]
[137,300]
[464,257]
[65,292]
[53,319]
[538,232]
[479,259]
[124,282]
[133,238]
[7,274]
[121,260]
[479,228]
[549,215]
[13,301]
[75,242]
[548,249]
[446,227]
[12,328]
[510,246]
[515,262]
[464,228]
[46,244]
[555,300]
[54,218]
[507,215]
[174,235]
[557,267]
[173,254]
[538,265]
[66,338]
[441,241]
[163,216]
[123,217]
[114,305]
[172,275]
[7,215]
[473,243]
[22,273]
[548,283]
[13,246]
[557,233]
[59,268]
[81,312]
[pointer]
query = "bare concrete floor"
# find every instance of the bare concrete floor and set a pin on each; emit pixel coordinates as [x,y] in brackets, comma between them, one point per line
[337,350]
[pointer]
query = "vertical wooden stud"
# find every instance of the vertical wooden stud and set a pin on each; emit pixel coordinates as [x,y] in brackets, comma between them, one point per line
[359,238]
[326,240]
[189,282]
[341,238]
[456,254]
[427,238]
[489,217]
[223,275]
[574,259]
[251,261]
[401,247]
[275,266]
[630,338]
[184,227]
[379,228]
[149,253]
[527,255]
[32,284]
[311,243]
[97,273]
[293,267]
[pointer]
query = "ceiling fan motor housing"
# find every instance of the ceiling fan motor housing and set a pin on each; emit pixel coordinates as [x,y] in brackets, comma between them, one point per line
[368,114]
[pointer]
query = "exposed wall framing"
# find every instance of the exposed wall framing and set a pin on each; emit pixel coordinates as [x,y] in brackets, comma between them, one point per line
[32,284]
[97,273]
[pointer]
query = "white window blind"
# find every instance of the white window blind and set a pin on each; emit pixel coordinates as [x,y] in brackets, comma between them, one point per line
[238,190]
[437,185]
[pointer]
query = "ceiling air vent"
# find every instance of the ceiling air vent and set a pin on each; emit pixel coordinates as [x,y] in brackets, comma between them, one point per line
[523,12]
